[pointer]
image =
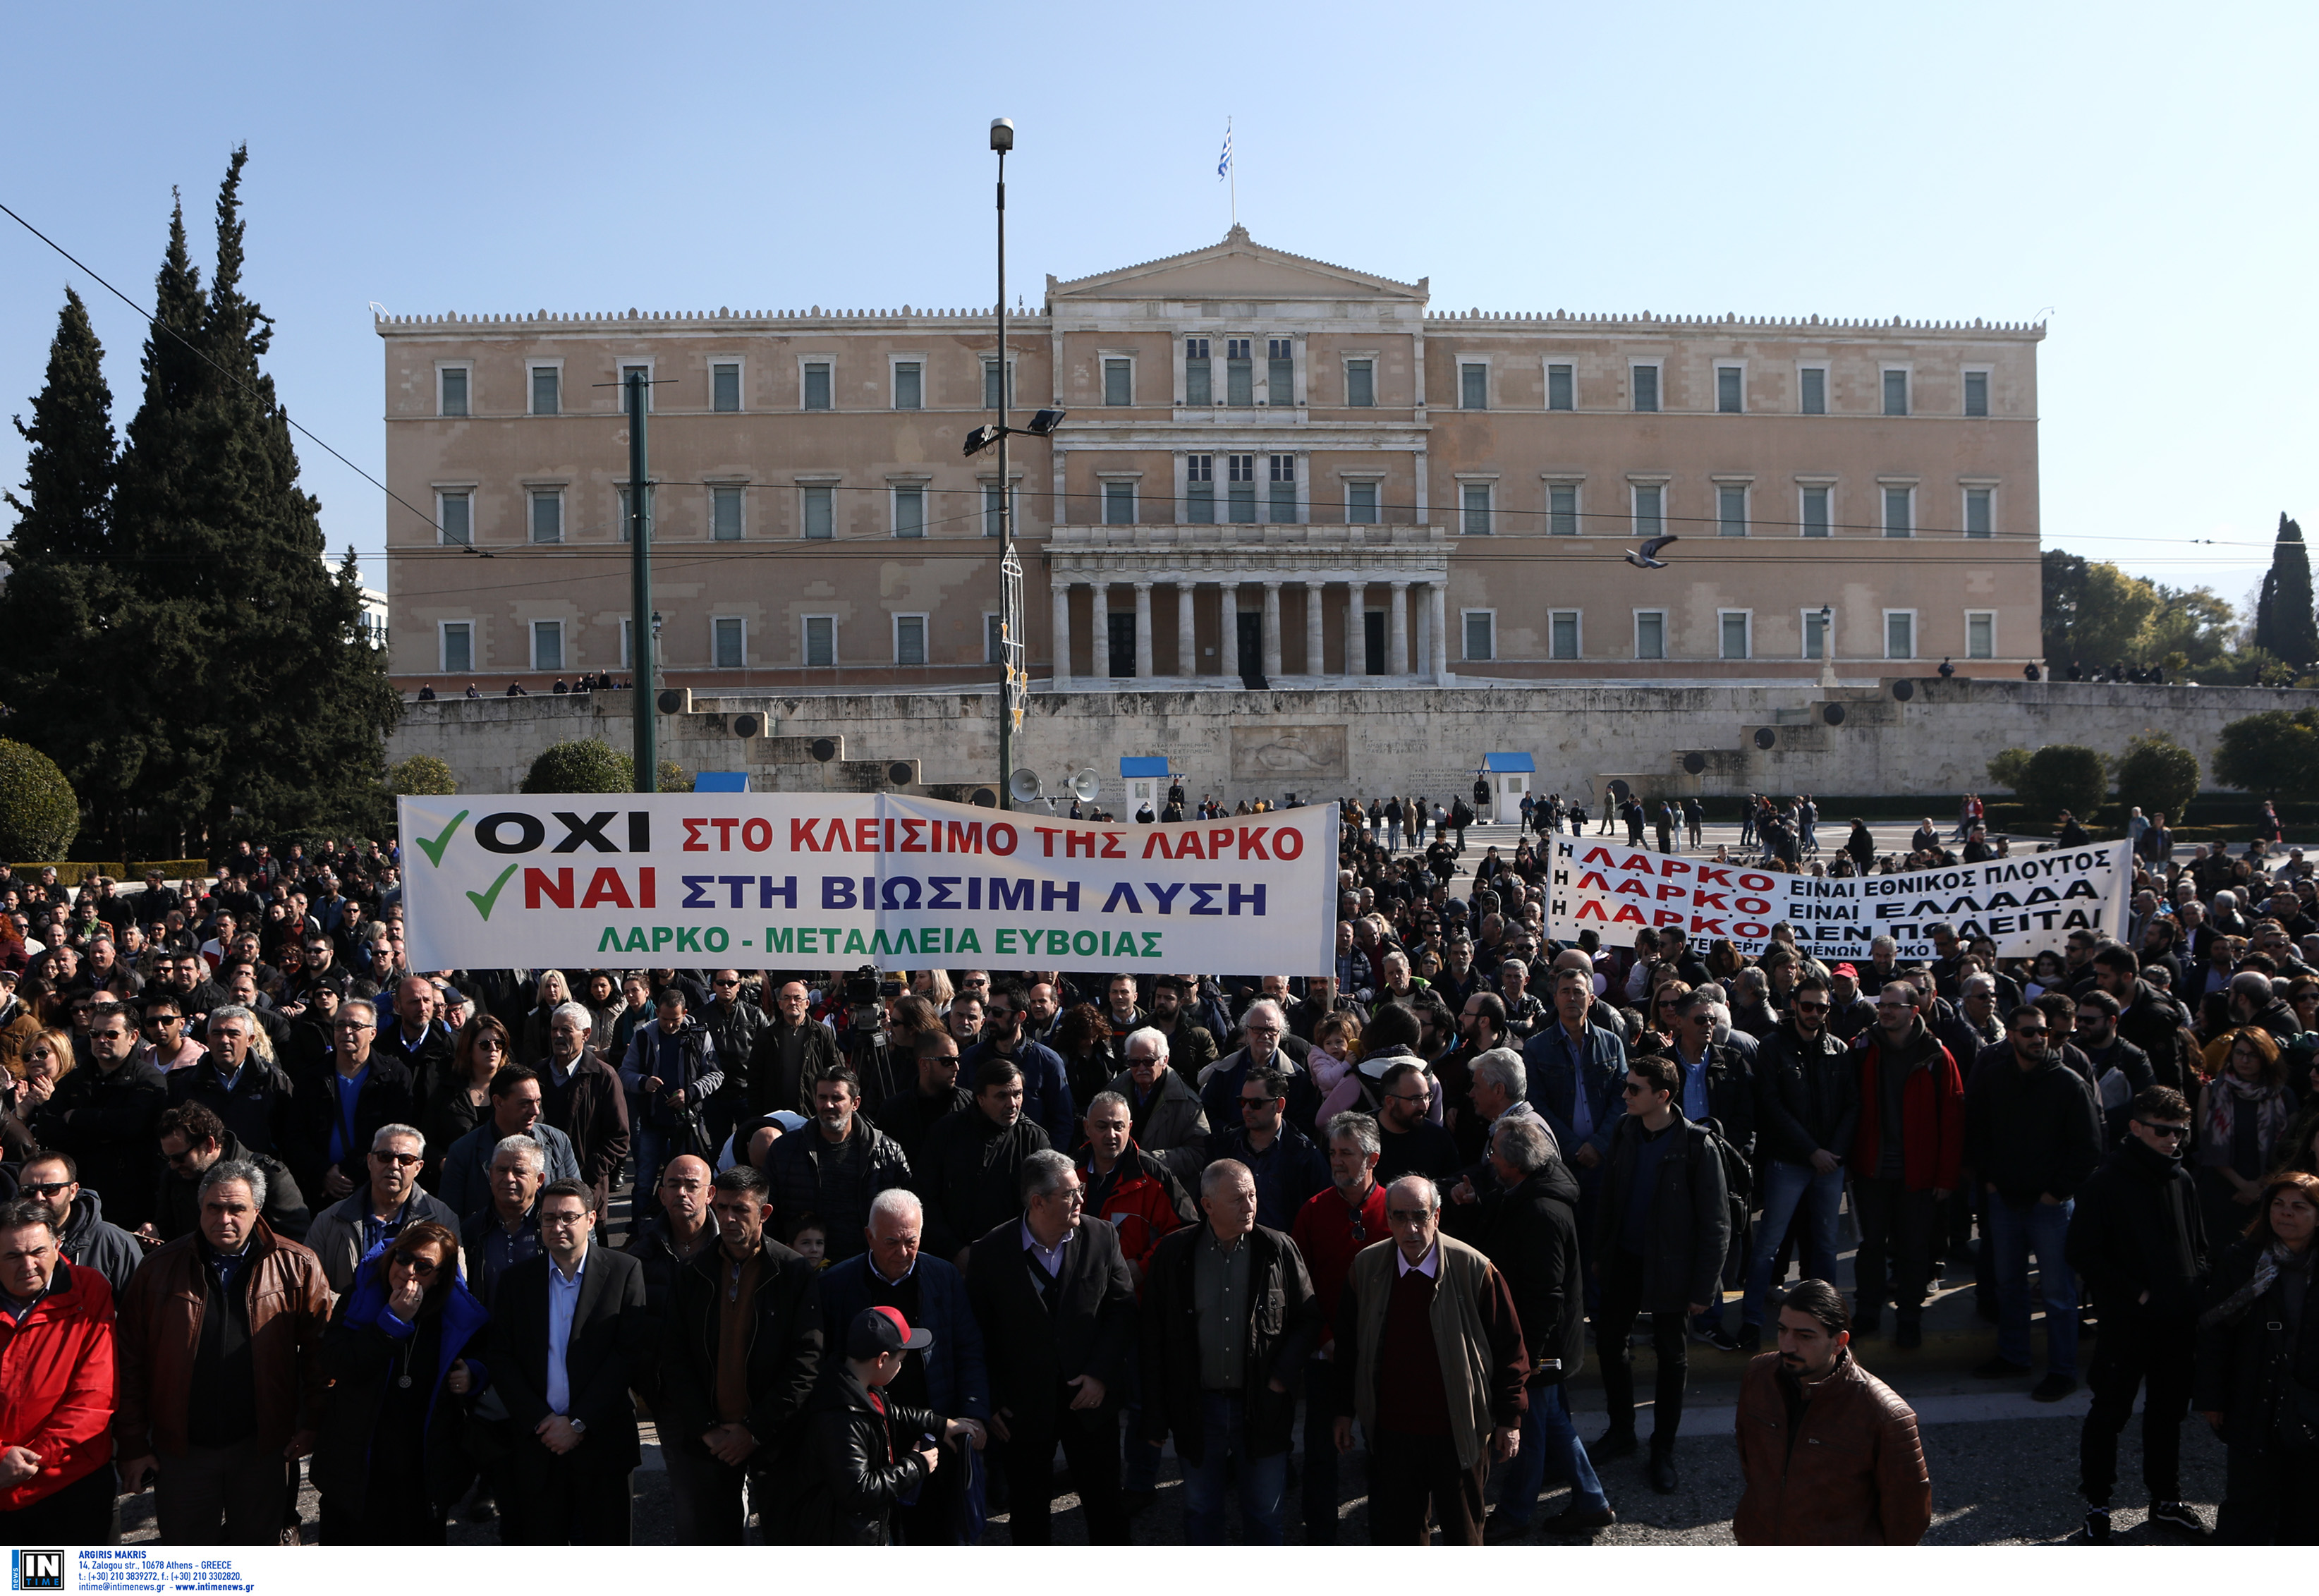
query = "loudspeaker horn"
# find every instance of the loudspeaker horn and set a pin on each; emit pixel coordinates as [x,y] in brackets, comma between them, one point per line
[1082,786]
[1022,786]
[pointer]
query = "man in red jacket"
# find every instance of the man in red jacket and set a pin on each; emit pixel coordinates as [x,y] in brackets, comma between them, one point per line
[1904,1161]
[56,1388]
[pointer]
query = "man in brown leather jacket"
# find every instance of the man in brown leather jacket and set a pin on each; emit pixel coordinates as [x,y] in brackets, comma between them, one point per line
[1829,1453]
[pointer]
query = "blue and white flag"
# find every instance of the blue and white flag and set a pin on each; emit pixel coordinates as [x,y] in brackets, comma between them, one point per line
[1223,161]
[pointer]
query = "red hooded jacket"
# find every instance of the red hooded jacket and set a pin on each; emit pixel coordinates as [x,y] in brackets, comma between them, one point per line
[1932,1113]
[56,1385]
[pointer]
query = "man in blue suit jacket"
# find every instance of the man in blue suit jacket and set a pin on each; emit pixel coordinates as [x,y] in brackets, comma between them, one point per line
[949,1377]
[1576,1071]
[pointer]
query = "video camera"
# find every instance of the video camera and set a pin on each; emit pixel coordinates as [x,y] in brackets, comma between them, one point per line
[863,990]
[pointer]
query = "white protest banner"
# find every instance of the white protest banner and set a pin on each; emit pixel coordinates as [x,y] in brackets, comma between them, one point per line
[821,881]
[2024,904]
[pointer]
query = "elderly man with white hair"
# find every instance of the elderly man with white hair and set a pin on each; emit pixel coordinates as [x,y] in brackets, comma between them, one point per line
[582,1096]
[1261,1028]
[950,1376]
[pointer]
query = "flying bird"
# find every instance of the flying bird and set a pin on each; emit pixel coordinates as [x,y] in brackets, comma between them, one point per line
[1647,558]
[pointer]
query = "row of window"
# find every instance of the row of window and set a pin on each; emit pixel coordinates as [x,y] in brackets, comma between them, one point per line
[547,642]
[546,521]
[1735,635]
[1231,382]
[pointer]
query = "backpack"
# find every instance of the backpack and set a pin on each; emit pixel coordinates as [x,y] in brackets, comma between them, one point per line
[1738,1174]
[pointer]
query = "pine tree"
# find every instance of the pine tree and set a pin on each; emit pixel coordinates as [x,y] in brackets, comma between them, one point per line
[52,684]
[2284,620]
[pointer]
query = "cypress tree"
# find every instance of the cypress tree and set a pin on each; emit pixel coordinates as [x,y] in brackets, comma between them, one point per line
[2284,619]
[53,683]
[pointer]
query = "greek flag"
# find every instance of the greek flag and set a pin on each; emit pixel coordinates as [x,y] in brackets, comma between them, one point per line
[1223,161]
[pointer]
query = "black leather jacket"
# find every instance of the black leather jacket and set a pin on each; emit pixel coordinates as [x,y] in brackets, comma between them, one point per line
[856,1463]
[1808,1096]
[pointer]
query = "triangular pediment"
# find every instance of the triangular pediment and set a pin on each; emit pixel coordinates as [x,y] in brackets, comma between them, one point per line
[1239,268]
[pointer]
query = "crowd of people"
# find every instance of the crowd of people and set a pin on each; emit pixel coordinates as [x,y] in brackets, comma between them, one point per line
[868,1252]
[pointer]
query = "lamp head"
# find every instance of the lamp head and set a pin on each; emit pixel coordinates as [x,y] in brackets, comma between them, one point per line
[1002,134]
[979,439]
[1045,421]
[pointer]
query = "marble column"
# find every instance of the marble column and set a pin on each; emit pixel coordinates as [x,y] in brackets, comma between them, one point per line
[1421,655]
[1272,632]
[1440,630]
[1228,628]
[1187,635]
[1143,631]
[1062,590]
[1356,635]
[1314,647]
[1396,658]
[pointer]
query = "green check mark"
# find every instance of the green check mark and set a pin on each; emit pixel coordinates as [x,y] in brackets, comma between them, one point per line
[434,848]
[484,901]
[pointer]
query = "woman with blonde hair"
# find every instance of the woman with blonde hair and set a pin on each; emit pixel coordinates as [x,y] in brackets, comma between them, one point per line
[553,990]
[2242,1113]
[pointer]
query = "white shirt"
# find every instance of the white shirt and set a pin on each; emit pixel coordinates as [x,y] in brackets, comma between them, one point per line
[563,1301]
[1430,1266]
[1050,1258]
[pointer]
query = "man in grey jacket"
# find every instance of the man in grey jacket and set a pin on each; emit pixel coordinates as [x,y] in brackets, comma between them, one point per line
[348,1232]
[1169,1120]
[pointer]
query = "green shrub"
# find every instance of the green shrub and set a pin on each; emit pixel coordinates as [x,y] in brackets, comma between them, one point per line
[2157,775]
[2005,769]
[585,764]
[422,775]
[2273,753]
[2062,776]
[39,814]
[673,776]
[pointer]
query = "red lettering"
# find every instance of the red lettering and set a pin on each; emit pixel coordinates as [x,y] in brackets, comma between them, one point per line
[646,880]
[1287,842]
[1632,888]
[1750,928]
[911,843]
[1594,879]
[1187,845]
[1219,838]
[889,835]
[1754,883]
[1667,916]
[1251,843]
[1157,843]
[1702,922]
[1627,912]
[801,837]
[757,835]
[1709,901]
[607,887]
[1078,844]
[1599,856]
[725,824]
[997,845]
[1111,848]
[966,837]
[1750,906]
[1047,839]
[1675,867]
[865,836]
[1709,875]
[1589,910]
[692,842]
[539,884]
[836,837]
[1641,862]
[1675,890]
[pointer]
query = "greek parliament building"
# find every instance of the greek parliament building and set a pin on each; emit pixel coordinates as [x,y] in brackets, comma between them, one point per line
[1274,471]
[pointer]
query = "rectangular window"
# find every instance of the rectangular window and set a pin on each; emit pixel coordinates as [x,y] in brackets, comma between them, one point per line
[724,386]
[1978,521]
[1733,629]
[1481,635]
[1816,522]
[1899,522]
[1119,504]
[1240,373]
[1241,489]
[546,386]
[547,645]
[1562,512]
[821,640]
[1561,388]
[1896,393]
[909,639]
[910,512]
[1474,498]
[628,644]
[547,517]
[623,530]
[816,385]
[994,640]
[1360,384]
[1650,633]
[910,385]
[1981,634]
[1727,390]
[1473,387]
[1976,394]
[993,507]
[456,512]
[1814,389]
[639,369]
[1814,634]
[1900,635]
[454,400]
[1199,385]
[820,512]
[990,383]
[1282,510]
[1280,371]
[1646,387]
[1562,634]
[459,647]
[730,641]
[1731,512]
[1650,511]
[1118,385]
[725,514]
[1361,503]
[1200,490]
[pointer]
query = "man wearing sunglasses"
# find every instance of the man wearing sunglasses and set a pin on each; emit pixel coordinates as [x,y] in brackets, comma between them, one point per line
[348,1232]
[103,1115]
[2138,1243]
[1807,1118]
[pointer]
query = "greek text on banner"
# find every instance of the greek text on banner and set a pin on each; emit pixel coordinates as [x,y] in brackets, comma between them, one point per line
[786,881]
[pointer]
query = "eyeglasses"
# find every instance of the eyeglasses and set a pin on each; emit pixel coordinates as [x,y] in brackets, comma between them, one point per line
[1805,1007]
[2029,1031]
[108,1035]
[44,1188]
[1262,1029]
[561,1220]
[165,1019]
[1635,1088]
[406,1160]
[2171,1132]
[724,983]
[1248,1103]
[421,1266]
[355,1026]
[1410,1097]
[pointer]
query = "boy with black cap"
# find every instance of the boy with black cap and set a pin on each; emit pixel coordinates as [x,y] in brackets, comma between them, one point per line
[870,1453]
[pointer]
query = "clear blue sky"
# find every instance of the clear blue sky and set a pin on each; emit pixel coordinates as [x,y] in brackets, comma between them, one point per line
[2143,171]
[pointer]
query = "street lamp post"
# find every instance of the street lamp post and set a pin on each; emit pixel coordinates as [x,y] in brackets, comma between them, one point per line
[1826,646]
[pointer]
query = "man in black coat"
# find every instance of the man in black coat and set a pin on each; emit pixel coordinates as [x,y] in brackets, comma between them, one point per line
[2146,1018]
[1806,1110]
[566,1484]
[2031,1135]
[2138,1242]
[1057,1310]
[1529,1230]
[907,1117]
[974,1162]
[734,1025]
[786,1052]
[103,1115]
[1229,1317]
[715,1439]
[250,1097]
[340,1107]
